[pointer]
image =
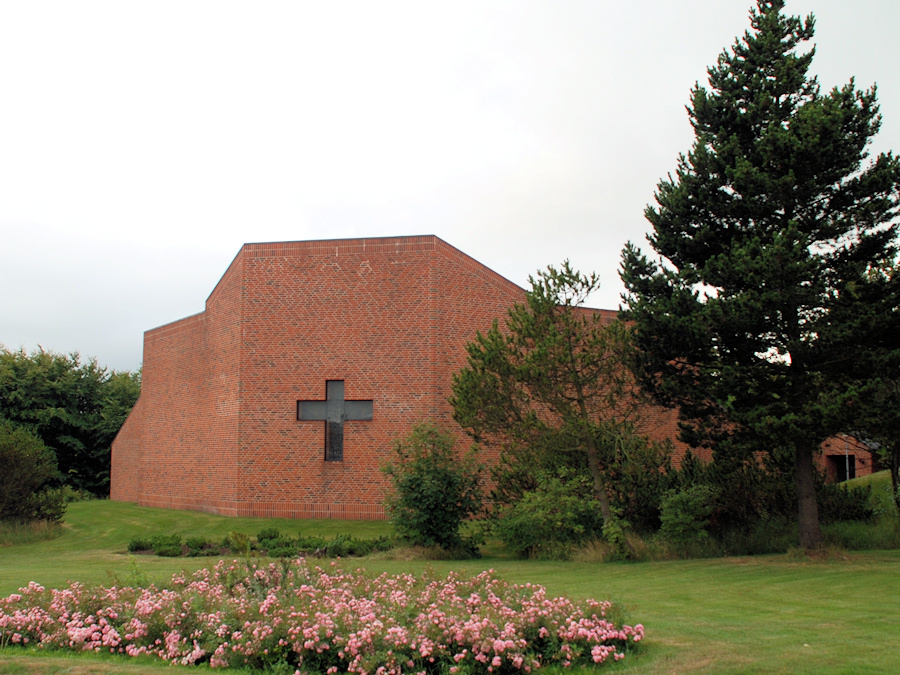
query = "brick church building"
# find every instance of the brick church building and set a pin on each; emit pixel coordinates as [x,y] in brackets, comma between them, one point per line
[284,396]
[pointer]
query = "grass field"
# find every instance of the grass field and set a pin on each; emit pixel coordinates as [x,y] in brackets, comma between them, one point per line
[837,613]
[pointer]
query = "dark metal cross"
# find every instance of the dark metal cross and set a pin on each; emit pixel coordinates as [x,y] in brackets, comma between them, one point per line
[335,411]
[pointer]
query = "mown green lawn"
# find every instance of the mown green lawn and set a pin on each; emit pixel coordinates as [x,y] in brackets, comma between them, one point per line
[770,614]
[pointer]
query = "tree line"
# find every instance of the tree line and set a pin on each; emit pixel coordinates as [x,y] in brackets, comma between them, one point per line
[58,418]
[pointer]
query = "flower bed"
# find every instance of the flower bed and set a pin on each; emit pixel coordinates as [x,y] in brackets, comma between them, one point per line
[324,621]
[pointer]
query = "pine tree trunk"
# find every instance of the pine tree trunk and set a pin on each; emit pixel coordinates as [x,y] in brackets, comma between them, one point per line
[807,508]
[599,486]
[590,442]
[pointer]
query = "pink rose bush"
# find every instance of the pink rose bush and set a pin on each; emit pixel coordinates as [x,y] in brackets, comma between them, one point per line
[323,621]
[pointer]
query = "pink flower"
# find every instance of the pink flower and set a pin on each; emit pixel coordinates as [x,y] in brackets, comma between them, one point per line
[373,625]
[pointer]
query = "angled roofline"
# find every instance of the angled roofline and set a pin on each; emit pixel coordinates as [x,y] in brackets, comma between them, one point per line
[355,245]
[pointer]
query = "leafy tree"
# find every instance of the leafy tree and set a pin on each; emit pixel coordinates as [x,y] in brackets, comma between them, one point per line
[29,467]
[551,384]
[685,514]
[550,520]
[752,317]
[435,490]
[120,392]
[75,408]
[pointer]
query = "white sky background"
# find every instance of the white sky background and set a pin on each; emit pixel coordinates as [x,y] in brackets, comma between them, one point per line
[142,143]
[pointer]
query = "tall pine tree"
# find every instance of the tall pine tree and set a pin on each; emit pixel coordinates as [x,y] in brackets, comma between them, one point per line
[752,316]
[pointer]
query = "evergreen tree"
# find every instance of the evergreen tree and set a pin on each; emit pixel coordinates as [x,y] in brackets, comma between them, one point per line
[554,380]
[752,316]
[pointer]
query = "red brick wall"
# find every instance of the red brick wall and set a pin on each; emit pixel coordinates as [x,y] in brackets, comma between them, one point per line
[173,415]
[124,485]
[661,423]
[217,467]
[832,459]
[185,433]
[218,427]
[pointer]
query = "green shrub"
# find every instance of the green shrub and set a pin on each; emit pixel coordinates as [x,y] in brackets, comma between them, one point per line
[340,546]
[685,514]
[435,490]
[71,495]
[140,544]
[383,543]
[197,546]
[838,502]
[549,521]
[167,545]
[311,544]
[362,547]
[27,467]
[47,504]
[282,548]
[267,535]
[238,543]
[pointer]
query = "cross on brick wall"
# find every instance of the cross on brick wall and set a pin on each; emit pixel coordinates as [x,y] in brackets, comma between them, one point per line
[335,411]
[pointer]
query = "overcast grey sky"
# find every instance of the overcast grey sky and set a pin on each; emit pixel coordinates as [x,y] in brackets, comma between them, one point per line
[142,143]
